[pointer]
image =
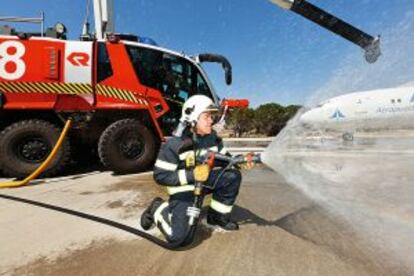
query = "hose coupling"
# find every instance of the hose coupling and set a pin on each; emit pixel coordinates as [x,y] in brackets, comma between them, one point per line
[193,213]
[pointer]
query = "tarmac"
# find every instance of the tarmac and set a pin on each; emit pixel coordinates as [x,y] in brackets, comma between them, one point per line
[277,234]
[340,208]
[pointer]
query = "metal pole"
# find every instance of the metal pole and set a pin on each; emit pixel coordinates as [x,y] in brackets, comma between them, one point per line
[20,19]
[36,20]
[42,22]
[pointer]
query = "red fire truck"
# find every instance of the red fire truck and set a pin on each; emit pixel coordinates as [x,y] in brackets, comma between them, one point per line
[123,94]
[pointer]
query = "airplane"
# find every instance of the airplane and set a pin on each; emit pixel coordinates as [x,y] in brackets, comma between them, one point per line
[367,110]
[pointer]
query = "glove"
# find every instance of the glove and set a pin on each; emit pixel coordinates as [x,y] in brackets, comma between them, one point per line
[201,173]
[249,163]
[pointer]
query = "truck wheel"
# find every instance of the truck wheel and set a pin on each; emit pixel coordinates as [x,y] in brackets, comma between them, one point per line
[26,144]
[127,146]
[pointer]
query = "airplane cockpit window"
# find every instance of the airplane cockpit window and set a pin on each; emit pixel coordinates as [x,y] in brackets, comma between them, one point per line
[322,103]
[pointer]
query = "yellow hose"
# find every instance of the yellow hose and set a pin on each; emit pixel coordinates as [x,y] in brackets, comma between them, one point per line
[43,166]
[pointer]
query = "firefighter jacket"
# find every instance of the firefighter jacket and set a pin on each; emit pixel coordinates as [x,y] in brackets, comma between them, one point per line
[175,162]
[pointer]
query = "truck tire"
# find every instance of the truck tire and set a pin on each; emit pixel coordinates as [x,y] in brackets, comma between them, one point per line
[127,146]
[24,146]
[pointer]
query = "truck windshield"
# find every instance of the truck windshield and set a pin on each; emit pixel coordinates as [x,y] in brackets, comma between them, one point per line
[174,76]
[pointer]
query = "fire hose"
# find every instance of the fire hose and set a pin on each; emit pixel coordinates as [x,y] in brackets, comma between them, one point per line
[193,212]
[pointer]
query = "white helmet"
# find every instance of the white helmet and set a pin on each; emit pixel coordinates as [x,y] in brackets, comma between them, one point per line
[192,109]
[194,106]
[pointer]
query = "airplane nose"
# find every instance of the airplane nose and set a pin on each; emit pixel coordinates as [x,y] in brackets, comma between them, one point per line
[308,117]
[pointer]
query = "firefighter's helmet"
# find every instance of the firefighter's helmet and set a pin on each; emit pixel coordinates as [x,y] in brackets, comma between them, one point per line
[194,106]
[192,109]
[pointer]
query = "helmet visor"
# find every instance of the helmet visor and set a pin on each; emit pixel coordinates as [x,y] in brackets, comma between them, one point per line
[214,112]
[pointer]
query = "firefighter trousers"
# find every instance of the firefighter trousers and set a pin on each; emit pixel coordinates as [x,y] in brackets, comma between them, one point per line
[171,217]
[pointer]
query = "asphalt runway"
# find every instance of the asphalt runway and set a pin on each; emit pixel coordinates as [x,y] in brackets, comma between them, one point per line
[282,232]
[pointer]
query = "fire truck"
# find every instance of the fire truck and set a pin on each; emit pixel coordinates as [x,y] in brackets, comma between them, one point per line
[123,93]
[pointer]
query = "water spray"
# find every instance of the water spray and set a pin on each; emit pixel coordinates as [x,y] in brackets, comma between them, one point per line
[363,187]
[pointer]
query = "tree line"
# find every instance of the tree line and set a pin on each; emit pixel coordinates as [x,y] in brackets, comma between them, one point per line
[267,119]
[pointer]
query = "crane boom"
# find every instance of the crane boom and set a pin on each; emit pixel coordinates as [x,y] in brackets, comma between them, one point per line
[104,17]
[370,44]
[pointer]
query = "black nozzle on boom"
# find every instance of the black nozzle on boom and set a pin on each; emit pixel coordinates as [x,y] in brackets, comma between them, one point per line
[370,44]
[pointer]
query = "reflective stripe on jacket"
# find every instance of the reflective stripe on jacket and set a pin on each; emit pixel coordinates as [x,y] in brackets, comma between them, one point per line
[170,167]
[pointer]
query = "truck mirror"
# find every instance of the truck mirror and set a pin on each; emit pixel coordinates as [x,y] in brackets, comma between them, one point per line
[218,59]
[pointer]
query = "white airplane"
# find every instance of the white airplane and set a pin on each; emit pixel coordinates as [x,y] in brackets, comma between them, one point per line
[376,109]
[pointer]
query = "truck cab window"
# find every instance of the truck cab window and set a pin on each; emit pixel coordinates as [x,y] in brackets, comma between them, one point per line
[104,63]
[175,77]
[202,87]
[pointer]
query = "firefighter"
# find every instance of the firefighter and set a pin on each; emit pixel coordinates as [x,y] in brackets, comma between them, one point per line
[175,168]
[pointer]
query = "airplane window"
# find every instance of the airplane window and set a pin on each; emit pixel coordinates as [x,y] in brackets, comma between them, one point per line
[392,101]
[399,100]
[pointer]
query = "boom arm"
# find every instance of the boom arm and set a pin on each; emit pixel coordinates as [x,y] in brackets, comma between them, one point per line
[104,17]
[370,44]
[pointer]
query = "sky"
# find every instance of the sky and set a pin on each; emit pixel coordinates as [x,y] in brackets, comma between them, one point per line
[277,55]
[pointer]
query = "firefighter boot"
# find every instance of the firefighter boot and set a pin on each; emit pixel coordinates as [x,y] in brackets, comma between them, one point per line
[222,220]
[147,218]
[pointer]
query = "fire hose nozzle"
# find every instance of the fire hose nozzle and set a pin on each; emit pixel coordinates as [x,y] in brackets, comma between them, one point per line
[239,159]
[256,158]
